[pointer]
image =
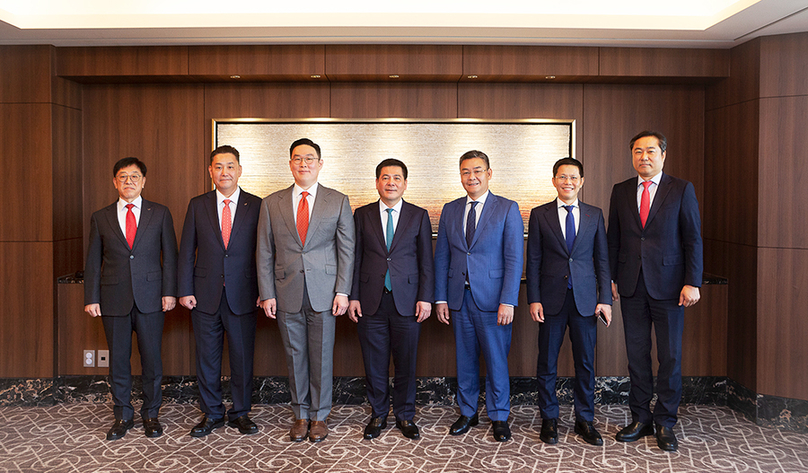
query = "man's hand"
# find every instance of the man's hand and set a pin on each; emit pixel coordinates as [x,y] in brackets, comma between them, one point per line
[504,314]
[422,310]
[269,306]
[189,302]
[443,312]
[537,312]
[93,309]
[615,294]
[354,311]
[169,302]
[606,310]
[689,296]
[340,305]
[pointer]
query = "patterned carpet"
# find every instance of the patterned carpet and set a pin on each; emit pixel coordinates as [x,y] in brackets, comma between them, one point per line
[70,437]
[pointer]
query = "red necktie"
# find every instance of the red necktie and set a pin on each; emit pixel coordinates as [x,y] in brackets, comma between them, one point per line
[645,202]
[131,226]
[303,217]
[227,222]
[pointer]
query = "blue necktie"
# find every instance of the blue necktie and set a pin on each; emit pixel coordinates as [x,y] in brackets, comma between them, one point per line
[570,234]
[389,240]
[471,224]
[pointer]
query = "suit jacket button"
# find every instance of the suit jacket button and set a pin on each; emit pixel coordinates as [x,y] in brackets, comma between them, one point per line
[570,260]
[642,238]
[226,255]
[131,256]
[388,259]
[469,253]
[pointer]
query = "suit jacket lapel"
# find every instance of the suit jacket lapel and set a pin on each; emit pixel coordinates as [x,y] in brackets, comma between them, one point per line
[551,215]
[661,192]
[213,215]
[321,201]
[488,209]
[376,226]
[585,225]
[285,202]
[243,206]
[146,212]
[112,220]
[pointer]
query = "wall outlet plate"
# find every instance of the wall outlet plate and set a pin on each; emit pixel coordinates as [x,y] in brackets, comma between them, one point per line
[89,358]
[103,358]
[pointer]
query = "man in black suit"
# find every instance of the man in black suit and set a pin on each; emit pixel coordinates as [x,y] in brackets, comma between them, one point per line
[655,251]
[393,283]
[217,277]
[568,285]
[130,280]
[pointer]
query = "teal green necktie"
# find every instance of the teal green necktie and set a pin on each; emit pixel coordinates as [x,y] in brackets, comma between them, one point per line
[389,237]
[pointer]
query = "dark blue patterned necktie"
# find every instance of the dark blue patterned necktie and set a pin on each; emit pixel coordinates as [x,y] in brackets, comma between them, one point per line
[471,224]
[570,235]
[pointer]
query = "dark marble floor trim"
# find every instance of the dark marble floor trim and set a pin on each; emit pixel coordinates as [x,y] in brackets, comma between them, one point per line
[773,411]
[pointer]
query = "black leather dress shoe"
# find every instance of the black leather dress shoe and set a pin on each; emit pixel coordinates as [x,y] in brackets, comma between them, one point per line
[244,425]
[549,431]
[463,424]
[634,431]
[152,427]
[408,429]
[501,430]
[588,432]
[375,427]
[206,426]
[119,428]
[666,439]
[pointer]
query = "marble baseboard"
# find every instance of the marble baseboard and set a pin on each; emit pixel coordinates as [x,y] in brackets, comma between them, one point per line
[765,410]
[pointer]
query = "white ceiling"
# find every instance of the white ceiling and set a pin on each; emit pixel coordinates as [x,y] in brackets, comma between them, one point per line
[649,23]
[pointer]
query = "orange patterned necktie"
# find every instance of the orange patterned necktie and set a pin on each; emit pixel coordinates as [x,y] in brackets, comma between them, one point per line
[131,226]
[227,222]
[303,217]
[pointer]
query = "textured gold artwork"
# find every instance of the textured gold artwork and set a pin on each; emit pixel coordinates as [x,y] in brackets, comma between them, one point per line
[521,152]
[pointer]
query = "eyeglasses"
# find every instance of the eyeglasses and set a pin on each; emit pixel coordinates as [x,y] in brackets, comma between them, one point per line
[476,172]
[122,178]
[564,178]
[307,160]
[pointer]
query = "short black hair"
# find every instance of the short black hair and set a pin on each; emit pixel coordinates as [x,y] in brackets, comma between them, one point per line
[224,149]
[568,162]
[663,142]
[391,162]
[126,162]
[475,154]
[305,141]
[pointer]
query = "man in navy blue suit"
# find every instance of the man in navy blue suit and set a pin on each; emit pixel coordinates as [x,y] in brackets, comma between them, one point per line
[130,281]
[655,252]
[568,285]
[218,284]
[478,269]
[392,291]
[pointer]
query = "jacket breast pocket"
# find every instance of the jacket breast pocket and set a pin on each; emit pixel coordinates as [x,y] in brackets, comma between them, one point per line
[331,269]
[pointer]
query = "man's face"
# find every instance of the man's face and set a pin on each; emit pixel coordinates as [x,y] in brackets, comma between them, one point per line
[475,176]
[305,165]
[129,182]
[225,171]
[391,184]
[568,182]
[647,157]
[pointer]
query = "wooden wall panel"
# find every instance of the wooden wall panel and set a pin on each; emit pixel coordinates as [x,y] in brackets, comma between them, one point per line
[529,63]
[412,100]
[411,62]
[86,63]
[78,332]
[276,62]
[782,322]
[704,342]
[66,173]
[664,62]
[27,131]
[26,327]
[784,65]
[744,81]
[25,73]
[783,159]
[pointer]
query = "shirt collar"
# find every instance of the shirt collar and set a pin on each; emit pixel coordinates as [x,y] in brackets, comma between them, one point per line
[654,179]
[233,197]
[122,203]
[480,201]
[396,208]
[560,203]
[311,190]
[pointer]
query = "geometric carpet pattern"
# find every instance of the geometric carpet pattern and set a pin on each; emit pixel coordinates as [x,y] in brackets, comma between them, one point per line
[70,437]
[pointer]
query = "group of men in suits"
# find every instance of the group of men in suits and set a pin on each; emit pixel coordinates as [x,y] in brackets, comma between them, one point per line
[303,259]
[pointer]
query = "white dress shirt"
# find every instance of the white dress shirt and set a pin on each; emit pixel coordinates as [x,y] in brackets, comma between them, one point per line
[478,209]
[122,211]
[562,215]
[396,214]
[296,194]
[651,189]
[220,198]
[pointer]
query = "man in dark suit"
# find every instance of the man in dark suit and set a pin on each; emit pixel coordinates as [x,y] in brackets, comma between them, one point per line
[568,285]
[305,259]
[655,251]
[478,269]
[130,280]
[393,283]
[218,284]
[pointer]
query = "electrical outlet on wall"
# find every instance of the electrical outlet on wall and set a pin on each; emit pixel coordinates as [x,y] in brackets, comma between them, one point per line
[89,358]
[103,358]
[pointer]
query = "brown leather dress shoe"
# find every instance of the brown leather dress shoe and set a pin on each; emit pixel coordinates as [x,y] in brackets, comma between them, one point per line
[299,430]
[318,431]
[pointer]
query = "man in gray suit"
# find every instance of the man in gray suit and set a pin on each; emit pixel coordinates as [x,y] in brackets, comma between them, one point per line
[305,258]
